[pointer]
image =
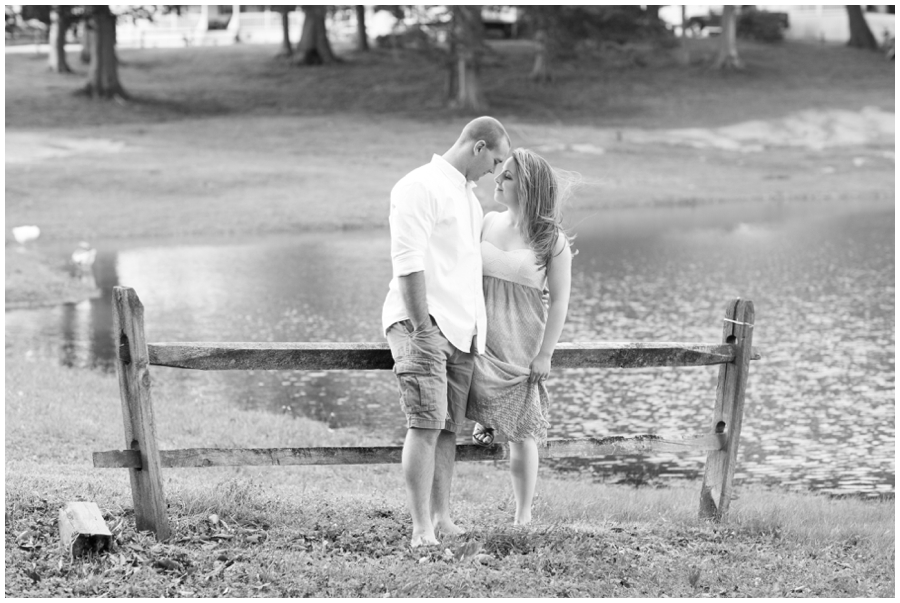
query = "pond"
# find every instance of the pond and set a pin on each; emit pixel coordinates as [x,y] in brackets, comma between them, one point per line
[820,404]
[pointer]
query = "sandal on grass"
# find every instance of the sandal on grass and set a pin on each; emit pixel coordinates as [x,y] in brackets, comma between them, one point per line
[483,436]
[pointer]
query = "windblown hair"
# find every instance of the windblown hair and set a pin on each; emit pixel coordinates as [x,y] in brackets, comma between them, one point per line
[541,192]
[487,129]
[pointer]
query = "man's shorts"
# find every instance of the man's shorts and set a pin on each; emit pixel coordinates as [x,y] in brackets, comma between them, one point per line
[433,375]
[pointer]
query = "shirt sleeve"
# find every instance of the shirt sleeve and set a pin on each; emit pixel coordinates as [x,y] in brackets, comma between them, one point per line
[412,219]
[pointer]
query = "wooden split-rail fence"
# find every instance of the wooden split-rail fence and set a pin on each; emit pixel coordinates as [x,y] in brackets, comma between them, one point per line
[144,460]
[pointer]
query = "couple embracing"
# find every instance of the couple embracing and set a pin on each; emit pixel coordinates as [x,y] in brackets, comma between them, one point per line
[474,310]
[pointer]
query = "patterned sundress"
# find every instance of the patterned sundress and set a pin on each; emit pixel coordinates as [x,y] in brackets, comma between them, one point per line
[516,300]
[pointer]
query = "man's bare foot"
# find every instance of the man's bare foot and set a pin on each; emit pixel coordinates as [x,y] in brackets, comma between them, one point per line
[423,539]
[448,528]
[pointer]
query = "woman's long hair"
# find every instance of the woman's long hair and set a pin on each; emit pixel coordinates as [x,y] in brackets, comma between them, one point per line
[541,191]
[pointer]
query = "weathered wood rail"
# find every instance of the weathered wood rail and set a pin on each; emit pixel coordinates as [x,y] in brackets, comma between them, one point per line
[144,461]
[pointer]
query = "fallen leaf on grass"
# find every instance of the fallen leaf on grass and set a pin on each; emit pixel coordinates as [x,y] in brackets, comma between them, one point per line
[25,540]
[169,565]
[35,577]
[218,569]
[467,550]
[222,536]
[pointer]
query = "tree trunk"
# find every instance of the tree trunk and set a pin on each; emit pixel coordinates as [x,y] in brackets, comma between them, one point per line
[103,72]
[87,41]
[362,40]
[728,55]
[541,70]
[286,49]
[314,48]
[468,31]
[685,53]
[860,34]
[59,27]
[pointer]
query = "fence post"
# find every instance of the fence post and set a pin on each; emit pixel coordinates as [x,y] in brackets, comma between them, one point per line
[716,492]
[132,362]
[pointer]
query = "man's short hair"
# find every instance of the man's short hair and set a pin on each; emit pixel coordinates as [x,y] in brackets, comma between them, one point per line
[487,129]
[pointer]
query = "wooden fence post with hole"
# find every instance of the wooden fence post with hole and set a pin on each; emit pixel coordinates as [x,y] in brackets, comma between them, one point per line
[132,362]
[716,492]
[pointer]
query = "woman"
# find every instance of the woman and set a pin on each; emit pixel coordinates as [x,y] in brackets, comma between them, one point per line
[526,255]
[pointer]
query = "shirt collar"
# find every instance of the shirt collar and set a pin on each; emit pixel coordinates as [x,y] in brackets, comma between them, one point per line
[452,174]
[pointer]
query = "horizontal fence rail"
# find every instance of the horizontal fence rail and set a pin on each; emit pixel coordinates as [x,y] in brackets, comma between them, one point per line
[212,356]
[366,455]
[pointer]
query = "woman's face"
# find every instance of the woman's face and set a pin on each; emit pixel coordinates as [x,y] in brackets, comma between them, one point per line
[507,191]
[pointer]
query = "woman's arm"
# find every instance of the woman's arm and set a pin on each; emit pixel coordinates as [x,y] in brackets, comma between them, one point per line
[485,222]
[559,281]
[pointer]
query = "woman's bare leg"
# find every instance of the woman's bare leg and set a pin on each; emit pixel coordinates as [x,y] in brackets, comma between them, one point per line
[523,465]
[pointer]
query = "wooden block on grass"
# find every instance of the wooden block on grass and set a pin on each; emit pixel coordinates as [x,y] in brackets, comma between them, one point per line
[82,529]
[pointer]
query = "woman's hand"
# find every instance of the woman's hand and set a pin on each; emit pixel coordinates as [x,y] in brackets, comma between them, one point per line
[540,368]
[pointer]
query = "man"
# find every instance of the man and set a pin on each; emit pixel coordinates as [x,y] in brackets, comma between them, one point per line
[434,316]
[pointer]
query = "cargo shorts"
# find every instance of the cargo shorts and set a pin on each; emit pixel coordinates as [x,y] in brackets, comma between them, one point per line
[433,375]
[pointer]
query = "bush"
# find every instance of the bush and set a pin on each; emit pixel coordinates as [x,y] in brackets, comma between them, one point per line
[762,25]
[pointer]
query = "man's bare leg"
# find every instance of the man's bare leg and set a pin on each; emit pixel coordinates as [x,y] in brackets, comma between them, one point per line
[418,471]
[444,464]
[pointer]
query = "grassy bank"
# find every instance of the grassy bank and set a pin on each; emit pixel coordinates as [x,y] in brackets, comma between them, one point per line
[34,278]
[343,531]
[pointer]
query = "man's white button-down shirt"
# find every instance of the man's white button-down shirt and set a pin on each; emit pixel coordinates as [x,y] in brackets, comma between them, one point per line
[436,228]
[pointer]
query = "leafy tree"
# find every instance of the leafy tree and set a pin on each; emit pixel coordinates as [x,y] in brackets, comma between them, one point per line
[728,54]
[314,48]
[562,30]
[287,50]
[362,40]
[684,56]
[860,34]
[543,20]
[103,71]
[466,48]
[62,17]
[57,19]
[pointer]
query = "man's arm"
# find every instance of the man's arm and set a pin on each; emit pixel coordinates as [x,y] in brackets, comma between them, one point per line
[412,219]
[412,290]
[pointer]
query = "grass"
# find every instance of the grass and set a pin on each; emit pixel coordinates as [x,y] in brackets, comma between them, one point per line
[343,531]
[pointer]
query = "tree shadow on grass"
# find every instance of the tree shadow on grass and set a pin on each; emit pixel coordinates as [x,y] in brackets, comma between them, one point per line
[202,107]
[158,108]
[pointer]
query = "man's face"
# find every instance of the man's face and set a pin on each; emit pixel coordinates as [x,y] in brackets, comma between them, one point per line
[485,160]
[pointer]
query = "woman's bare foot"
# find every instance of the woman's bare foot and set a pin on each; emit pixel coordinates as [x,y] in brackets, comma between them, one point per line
[423,539]
[522,520]
[448,528]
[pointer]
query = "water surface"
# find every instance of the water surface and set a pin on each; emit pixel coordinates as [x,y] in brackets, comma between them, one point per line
[820,404]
